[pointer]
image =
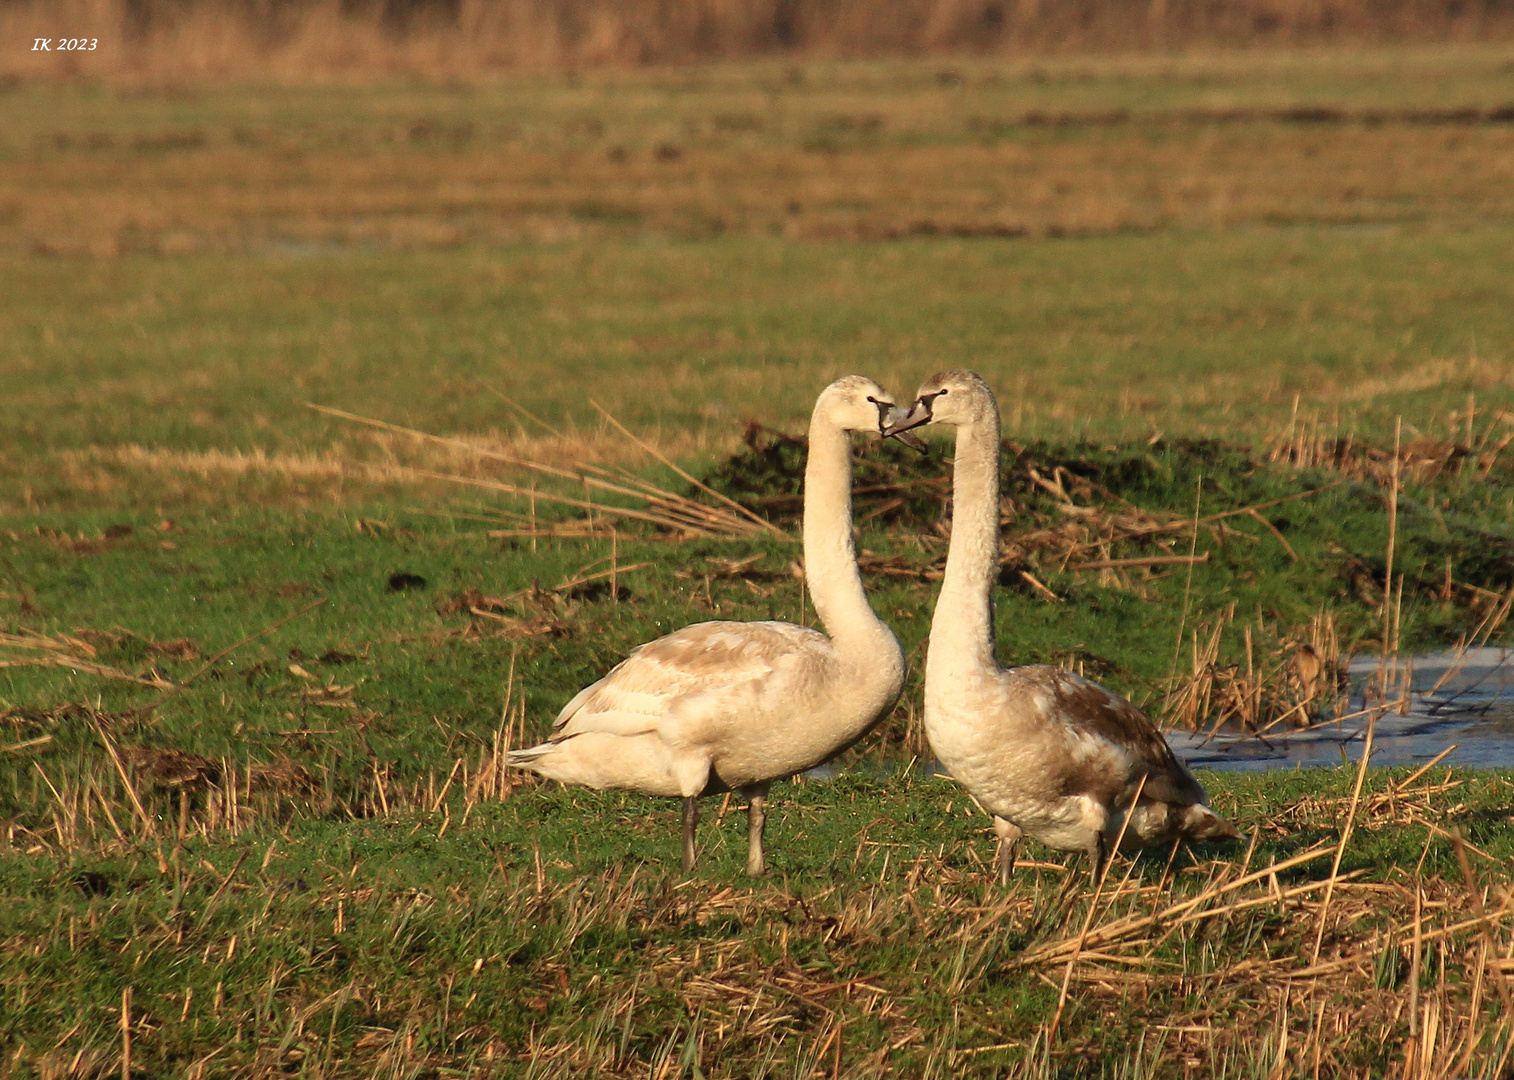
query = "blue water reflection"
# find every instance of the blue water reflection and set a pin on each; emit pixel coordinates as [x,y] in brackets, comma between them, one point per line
[1464,698]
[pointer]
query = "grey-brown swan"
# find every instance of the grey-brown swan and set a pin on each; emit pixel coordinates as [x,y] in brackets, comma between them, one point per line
[1045,751]
[721,706]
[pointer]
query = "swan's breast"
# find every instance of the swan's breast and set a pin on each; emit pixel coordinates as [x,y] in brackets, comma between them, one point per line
[1011,741]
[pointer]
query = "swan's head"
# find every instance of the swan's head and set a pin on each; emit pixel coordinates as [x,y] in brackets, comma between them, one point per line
[855,403]
[956,397]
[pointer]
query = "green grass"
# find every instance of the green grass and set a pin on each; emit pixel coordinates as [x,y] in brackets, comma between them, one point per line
[549,935]
[386,923]
[1106,337]
[384,920]
[426,674]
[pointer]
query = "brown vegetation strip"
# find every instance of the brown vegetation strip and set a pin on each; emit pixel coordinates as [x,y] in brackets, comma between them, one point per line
[191,38]
[911,177]
[1296,114]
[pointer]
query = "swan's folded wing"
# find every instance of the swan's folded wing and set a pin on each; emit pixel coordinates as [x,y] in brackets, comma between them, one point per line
[691,676]
[1109,721]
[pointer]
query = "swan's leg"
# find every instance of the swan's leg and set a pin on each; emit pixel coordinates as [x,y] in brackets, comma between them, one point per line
[756,821]
[690,823]
[1004,858]
[1096,858]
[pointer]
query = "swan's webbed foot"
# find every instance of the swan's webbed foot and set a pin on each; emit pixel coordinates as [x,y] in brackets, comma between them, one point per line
[1004,857]
[690,823]
[757,819]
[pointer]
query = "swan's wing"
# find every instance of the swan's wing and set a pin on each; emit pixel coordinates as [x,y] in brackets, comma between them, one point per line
[1110,731]
[676,684]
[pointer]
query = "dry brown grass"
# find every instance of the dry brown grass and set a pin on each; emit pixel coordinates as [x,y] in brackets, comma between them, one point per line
[401,461]
[1458,442]
[1292,680]
[215,37]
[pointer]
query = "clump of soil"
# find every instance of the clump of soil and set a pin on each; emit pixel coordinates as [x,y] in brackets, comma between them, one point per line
[896,487]
[892,486]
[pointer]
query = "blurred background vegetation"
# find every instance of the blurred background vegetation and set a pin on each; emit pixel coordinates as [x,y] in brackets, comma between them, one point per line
[455,36]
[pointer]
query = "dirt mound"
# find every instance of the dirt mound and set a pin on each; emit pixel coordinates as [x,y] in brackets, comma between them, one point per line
[895,487]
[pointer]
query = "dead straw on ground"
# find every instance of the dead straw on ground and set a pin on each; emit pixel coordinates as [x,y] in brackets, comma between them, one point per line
[1245,931]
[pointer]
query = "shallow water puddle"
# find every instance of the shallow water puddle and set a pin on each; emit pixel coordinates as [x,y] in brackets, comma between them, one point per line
[1464,698]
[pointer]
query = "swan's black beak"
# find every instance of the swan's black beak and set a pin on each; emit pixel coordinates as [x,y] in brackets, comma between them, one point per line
[901,420]
[888,413]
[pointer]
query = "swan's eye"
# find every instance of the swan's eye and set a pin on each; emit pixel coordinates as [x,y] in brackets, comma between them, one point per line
[941,393]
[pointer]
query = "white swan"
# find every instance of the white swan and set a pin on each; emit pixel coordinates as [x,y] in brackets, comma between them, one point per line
[1045,751]
[722,706]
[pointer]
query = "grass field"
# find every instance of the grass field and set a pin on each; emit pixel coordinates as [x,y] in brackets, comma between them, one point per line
[1109,337]
[549,936]
[261,662]
[805,151]
[1181,244]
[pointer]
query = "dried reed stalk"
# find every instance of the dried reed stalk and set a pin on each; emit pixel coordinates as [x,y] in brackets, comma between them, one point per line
[1340,849]
[1124,929]
[125,1025]
[761,523]
[131,790]
[89,667]
[663,508]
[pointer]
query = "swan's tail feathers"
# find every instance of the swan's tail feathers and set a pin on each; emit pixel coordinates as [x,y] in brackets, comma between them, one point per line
[1202,823]
[527,757]
[556,760]
[600,759]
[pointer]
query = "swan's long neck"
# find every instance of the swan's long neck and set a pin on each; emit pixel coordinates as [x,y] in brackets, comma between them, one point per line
[830,560]
[962,632]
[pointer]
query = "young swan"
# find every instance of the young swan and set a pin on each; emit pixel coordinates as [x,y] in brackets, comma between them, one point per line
[722,706]
[1044,750]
